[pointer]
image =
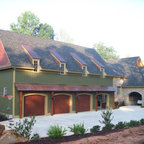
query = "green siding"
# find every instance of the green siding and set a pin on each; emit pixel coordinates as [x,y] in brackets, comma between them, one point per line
[111,100]
[55,78]
[6,80]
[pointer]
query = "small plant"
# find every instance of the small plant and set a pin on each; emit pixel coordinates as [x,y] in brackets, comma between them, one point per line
[108,127]
[133,123]
[56,132]
[23,128]
[116,104]
[78,129]
[120,125]
[95,128]
[35,136]
[3,117]
[142,121]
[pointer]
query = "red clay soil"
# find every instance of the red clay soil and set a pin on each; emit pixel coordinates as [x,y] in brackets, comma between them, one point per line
[133,135]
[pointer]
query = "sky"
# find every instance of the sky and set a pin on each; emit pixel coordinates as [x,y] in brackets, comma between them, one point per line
[116,23]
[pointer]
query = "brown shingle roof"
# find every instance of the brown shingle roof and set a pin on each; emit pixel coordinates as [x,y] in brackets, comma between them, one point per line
[13,45]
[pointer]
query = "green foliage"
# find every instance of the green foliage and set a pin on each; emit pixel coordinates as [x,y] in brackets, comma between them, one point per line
[109,126]
[35,136]
[78,129]
[56,132]
[107,118]
[3,117]
[133,123]
[120,125]
[116,104]
[29,23]
[106,52]
[23,128]
[95,128]
[142,121]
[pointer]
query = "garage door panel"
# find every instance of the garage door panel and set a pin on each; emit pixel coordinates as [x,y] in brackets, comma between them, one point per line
[34,105]
[83,103]
[62,104]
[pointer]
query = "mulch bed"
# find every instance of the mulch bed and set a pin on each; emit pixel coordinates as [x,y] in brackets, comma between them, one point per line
[47,140]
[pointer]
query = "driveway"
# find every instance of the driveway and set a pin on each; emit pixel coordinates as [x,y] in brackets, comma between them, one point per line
[125,113]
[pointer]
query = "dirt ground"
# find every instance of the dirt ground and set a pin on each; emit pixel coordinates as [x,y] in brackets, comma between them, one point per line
[133,135]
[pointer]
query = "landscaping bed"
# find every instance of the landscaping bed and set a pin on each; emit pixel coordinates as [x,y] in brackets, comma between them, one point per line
[132,135]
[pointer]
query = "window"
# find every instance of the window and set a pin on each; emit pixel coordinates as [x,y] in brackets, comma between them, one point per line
[103,72]
[5,91]
[35,66]
[63,68]
[84,68]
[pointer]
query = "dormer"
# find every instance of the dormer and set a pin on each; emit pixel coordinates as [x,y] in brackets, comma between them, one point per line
[35,59]
[81,62]
[139,63]
[98,65]
[60,61]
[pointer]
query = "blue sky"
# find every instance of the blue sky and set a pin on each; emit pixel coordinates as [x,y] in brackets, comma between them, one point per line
[117,23]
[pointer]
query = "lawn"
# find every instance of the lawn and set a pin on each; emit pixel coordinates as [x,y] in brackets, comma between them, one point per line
[125,113]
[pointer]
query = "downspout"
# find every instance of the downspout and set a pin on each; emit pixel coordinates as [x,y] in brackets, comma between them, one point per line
[13,86]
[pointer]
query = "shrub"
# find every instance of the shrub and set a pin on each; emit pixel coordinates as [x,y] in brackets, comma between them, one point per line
[23,128]
[95,128]
[56,132]
[35,136]
[107,117]
[3,117]
[78,129]
[116,104]
[142,121]
[120,125]
[133,123]
[109,126]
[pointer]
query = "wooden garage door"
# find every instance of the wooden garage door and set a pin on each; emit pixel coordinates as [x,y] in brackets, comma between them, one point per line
[62,104]
[83,103]
[34,105]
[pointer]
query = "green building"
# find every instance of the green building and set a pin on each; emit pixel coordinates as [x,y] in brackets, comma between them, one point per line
[46,77]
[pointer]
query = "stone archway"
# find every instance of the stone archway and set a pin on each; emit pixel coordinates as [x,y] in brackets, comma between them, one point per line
[135,98]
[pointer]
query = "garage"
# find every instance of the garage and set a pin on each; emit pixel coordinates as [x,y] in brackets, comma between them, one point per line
[61,104]
[34,105]
[83,103]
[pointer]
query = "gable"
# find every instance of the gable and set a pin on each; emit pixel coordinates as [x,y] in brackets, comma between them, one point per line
[4,60]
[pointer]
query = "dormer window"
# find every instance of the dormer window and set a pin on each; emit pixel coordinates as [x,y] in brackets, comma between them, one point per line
[63,68]
[84,68]
[60,61]
[103,72]
[36,65]
[81,62]
[33,56]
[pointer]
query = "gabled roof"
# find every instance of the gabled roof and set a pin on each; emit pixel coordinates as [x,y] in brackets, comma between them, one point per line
[13,46]
[129,69]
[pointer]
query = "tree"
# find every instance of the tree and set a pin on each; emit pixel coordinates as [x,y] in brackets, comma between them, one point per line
[63,36]
[106,52]
[29,23]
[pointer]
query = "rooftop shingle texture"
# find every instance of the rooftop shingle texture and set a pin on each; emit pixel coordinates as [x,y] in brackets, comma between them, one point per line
[126,66]
[13,45]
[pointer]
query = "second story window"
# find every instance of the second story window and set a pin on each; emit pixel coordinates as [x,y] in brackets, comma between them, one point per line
[84,68]
[63,68]
[36,65]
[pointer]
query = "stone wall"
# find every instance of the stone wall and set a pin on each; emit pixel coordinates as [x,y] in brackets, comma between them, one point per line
[127,91]
[122,93]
